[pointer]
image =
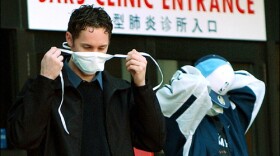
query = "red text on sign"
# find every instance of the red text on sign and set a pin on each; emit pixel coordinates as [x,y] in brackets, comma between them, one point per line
[211,6]
[132,3]
[64,1]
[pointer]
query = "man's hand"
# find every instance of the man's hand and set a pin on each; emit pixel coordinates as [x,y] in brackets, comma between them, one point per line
[136,64]
[51,63]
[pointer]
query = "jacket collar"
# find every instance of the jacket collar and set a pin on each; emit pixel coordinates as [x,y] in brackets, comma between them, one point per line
[110,83]
[76,80]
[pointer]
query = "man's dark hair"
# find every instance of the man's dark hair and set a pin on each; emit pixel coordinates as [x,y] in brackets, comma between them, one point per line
[89,16]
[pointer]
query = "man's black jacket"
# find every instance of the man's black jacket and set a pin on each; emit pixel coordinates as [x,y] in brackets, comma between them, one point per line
[133,117]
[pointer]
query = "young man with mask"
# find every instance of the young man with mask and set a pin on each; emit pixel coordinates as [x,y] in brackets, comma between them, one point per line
[74,108]
[209,108]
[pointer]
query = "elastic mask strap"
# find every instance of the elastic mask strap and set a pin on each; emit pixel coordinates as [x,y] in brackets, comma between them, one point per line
[65,45]
[66,51]
[146,54]
[62,99]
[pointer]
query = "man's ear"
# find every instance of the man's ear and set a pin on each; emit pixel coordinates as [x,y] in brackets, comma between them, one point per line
[69,39]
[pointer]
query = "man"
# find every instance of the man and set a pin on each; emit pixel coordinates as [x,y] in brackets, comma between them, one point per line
[83,110]
[209,108]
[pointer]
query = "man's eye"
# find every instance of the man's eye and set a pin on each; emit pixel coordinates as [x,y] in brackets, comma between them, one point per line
[87,47]
[101,49]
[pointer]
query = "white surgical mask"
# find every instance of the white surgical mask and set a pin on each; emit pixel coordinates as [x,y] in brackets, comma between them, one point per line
[90,63]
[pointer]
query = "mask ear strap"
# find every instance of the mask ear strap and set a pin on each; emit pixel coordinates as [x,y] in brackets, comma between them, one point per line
[62,99]
[65,45]
[66,51]
[146,54]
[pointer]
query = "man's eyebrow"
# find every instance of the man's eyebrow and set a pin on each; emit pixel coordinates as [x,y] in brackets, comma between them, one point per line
[105,45]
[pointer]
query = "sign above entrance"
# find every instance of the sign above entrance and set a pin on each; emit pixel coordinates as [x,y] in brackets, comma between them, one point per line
[217,19]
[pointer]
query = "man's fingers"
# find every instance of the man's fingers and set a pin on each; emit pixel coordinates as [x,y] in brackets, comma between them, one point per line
[56,53]
[60,58]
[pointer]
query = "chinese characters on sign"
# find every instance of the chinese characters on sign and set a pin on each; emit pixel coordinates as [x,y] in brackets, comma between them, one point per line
[166,25]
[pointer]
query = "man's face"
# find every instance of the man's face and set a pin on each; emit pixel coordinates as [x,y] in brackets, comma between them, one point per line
[91,40]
